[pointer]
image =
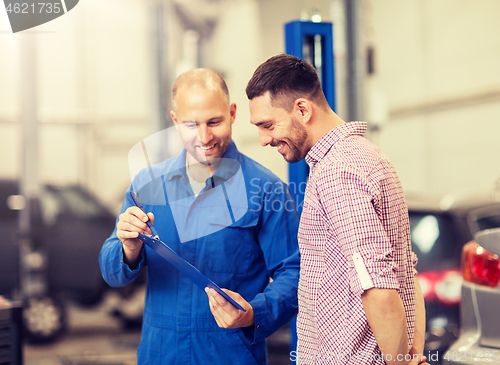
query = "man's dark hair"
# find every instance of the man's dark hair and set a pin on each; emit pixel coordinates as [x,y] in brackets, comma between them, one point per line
[287,78]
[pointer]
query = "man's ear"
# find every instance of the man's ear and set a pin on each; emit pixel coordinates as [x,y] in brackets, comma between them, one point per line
[303,110]
[232,112]
[173,116]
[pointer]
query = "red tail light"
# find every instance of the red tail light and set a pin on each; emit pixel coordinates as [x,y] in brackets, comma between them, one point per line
[443,286]
[480,266]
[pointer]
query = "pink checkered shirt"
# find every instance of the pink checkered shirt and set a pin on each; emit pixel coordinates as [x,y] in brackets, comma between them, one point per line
[354,235]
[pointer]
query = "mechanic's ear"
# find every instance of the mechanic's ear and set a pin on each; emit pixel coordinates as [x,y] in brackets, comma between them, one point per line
[232,112]
[173,116]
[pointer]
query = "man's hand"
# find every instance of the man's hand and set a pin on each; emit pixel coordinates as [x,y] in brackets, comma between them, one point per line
[417,358]
[225,314]
[130,224]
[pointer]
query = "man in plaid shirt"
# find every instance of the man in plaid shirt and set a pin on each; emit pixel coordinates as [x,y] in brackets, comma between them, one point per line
[359,300]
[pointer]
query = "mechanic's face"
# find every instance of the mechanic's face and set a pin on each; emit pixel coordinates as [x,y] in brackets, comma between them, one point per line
[204,118]
[278,128]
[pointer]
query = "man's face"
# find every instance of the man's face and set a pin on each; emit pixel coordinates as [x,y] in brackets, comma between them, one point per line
[203,118]
[278,128]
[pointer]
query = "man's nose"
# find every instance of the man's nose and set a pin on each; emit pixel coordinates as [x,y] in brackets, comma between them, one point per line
[205,134]
[264,138]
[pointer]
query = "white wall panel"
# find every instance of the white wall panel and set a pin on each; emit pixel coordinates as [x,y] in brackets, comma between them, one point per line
[9,61]
[437,65]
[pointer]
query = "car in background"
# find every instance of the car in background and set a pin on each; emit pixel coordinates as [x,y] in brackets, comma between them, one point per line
[439,230]
[59,258]
[479,341]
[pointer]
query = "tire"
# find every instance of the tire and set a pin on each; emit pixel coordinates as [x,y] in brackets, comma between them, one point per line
[44,319]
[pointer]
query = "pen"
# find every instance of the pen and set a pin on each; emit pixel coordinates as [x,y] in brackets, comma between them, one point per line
[137,202]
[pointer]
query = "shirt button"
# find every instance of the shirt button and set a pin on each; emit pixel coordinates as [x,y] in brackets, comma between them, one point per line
[258,326]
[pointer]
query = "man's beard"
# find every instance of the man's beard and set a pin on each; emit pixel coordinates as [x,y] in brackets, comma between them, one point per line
[296,142]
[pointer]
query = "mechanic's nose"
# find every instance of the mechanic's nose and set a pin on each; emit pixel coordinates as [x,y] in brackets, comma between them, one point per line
[205,134]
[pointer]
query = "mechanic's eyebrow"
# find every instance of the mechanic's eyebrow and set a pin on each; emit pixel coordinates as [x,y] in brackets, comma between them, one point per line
[214,119]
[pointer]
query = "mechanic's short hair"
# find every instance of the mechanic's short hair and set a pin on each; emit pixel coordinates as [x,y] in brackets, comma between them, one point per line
[200,77]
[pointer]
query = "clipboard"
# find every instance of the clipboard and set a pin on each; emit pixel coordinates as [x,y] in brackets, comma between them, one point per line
[185,267]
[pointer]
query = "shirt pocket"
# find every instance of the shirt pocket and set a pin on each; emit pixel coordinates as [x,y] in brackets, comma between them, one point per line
[231,248]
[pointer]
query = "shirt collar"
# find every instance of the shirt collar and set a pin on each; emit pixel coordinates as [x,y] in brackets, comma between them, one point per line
[321,148]
[224,171]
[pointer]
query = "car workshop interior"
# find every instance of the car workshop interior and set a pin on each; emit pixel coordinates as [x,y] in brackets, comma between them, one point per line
[83,91]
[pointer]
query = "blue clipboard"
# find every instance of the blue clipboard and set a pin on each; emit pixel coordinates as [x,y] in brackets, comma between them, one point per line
[185,267]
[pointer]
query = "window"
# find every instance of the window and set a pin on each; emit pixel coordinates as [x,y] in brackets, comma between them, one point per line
[434,240]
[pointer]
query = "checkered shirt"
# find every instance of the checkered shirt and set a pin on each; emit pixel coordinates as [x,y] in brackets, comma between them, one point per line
[354,235]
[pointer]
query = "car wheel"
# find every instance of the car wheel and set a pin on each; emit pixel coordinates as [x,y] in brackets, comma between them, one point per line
[44,319]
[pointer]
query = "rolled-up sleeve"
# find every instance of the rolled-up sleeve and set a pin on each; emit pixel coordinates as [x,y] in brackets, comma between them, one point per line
[357,228]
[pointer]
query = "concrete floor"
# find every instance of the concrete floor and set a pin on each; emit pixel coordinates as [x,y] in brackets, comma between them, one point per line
[95,337]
